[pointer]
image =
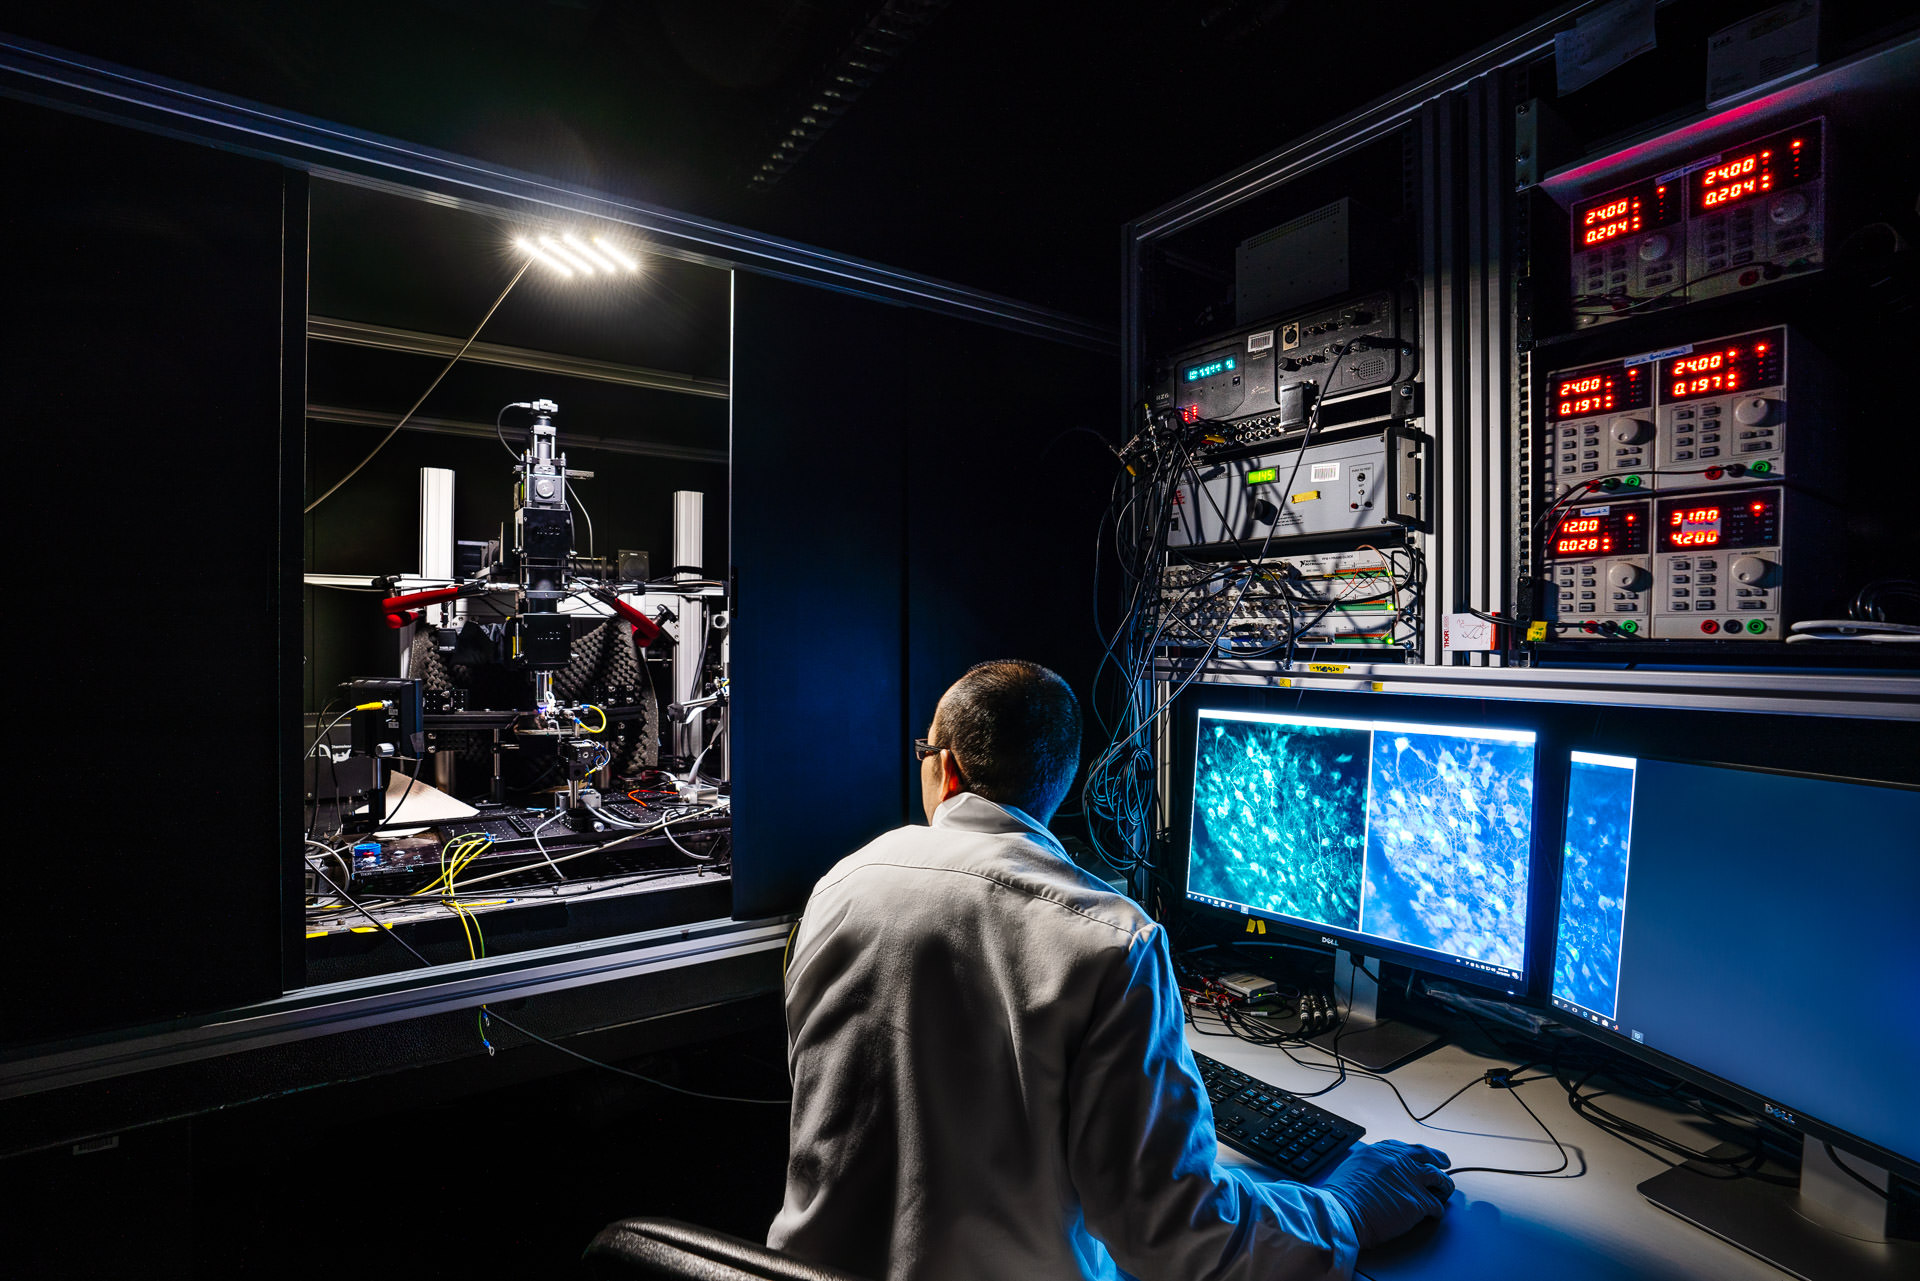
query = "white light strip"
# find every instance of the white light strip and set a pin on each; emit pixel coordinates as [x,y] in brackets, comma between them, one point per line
[592,255]
[615,253]
[526,246]
[566,255]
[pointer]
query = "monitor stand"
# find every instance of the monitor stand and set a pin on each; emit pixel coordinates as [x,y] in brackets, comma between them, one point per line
[1363,1037]
[1826,1228]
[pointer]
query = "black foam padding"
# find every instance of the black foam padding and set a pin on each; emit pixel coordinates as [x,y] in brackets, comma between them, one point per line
[605,658]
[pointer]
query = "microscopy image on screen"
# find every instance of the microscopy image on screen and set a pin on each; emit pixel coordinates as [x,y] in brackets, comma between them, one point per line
[1448,839]
[1279,817]
[1593,882]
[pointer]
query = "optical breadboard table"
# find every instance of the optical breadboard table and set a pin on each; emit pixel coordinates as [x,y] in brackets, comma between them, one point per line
[1595,1227]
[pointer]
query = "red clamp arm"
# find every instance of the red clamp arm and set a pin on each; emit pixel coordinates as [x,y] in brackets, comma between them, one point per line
[644,629]
[399,608]
[413,600]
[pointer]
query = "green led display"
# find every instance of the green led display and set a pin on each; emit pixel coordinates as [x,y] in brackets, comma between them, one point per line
[1265,476]
[1194,373]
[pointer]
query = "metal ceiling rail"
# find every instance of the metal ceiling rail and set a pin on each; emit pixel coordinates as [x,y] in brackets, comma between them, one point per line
[355,333]
[53,77]
[1356,128]
[485,431]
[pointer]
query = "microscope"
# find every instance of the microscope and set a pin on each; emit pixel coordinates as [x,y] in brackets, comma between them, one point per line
[536,574]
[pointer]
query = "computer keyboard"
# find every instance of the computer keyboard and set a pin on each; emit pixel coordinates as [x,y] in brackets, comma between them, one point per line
[1270,1125]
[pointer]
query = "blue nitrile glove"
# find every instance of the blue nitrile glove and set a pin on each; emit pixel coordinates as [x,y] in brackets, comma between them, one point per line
[1388,1187]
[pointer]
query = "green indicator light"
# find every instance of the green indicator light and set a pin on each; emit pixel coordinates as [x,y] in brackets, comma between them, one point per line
[1633,482]
[1631,626]
[1266,475]
[1761,469]
[1755,626]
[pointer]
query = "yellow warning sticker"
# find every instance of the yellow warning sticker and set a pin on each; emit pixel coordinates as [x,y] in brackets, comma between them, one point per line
[1328,669]
[1305,496]
[316,934]
[1536,631]
[1377,685]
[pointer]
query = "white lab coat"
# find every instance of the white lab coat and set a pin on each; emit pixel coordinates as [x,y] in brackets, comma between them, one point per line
[992,1083]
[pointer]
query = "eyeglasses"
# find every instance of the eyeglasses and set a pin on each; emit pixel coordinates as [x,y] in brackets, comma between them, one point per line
[922,749]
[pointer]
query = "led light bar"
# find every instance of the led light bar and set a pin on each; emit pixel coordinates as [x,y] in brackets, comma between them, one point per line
[573,254]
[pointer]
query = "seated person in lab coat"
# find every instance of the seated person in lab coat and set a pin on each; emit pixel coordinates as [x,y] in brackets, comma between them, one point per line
[990,1074]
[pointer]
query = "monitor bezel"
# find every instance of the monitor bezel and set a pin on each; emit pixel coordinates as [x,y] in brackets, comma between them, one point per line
[1524,987]
[1774,1110]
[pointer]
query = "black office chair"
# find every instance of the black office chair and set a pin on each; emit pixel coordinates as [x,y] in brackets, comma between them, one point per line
[668,1250]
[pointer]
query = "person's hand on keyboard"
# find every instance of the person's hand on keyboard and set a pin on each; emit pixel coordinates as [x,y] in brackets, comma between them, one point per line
[1388,1187]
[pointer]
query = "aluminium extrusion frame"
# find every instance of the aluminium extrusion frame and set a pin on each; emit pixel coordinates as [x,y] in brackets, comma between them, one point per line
[1452,297]
[1462,120]
[1867,697]
[56,78]
[356,333]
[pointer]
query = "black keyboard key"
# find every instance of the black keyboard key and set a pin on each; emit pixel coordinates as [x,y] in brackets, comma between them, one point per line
[1286,1132]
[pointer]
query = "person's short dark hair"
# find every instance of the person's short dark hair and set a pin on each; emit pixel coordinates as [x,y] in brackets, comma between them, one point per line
[1015,727]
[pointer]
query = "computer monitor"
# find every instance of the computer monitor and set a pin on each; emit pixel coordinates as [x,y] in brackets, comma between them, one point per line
[1384,838]
[1757,933]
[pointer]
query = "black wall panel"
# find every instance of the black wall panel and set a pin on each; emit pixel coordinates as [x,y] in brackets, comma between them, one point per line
[143,384]
[909,498]
[1006,480]
[820,418]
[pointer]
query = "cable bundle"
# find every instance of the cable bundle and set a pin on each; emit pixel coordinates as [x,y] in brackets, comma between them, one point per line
[1118,793]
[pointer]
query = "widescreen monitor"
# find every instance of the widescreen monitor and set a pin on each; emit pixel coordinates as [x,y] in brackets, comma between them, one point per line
[1758,932]
[1385,837]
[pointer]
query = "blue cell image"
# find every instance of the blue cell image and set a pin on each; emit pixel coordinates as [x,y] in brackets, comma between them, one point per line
[1593,885]
[1279,817]
[1449,834]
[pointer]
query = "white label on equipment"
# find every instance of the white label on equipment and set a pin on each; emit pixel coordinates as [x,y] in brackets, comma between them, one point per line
[1762,50]
[1601,40]
[1260,341]
[1462,632]
[1325,471]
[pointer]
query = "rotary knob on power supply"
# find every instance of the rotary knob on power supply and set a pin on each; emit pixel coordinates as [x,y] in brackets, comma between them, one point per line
[1655,247]
[1753,411]
[1789,208]
[1626,576]
[1753,571]
[1630,431]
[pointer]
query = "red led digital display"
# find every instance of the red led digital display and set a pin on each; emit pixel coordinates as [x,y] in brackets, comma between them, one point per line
[1741,365]
[1694,527]
[1719,522]
[1593,394]
[1614,530]
[1581,536]
[1771,164]
[1629,211]
[1615,218]
[1602,390]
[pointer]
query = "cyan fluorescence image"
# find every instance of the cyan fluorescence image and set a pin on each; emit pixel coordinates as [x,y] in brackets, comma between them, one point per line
[1448,839]
[1593,886]
[1279,818]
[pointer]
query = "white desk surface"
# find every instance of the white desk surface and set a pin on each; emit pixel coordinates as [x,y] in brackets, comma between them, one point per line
[1500,1226]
